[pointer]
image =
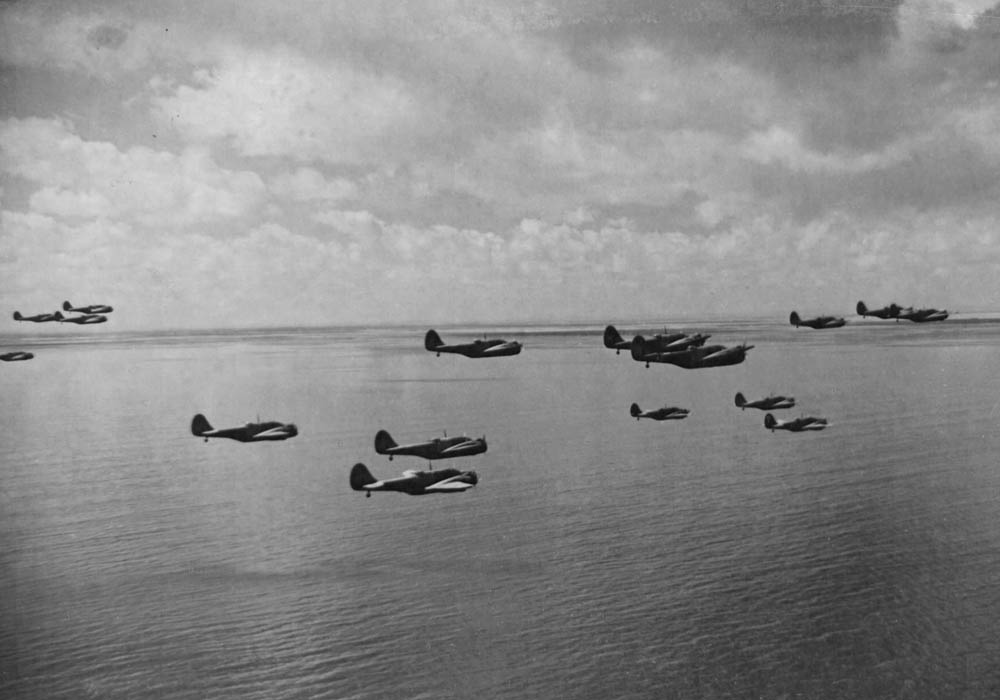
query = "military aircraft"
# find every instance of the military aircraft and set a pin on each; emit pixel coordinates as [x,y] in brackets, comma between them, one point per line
[818,322]
[414,482]
[92,309]
[16,356]
[38,318]
[437,448]
[795,425]
[886,312]
[692,357]
[477,348]
[766,404]
[922,315]
[251,432]
[665,413]
[85,320]
[665,342]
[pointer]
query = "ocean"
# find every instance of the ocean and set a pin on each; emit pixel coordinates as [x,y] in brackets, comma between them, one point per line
[598,556]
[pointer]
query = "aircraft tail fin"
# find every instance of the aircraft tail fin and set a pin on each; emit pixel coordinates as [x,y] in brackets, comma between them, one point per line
[794,318]
[612,337]
[200,425]
[638,347]
[862,309]
[18,316]
[361,477]
[384,442]
[59,316]
[67,306]
[741,400]
[769,421]
[635,411]
[432,340]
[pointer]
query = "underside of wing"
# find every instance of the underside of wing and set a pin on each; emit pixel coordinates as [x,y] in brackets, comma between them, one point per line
[449,485]
[272,433]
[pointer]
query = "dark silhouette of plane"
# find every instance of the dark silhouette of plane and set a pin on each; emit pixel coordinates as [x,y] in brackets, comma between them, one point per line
[437,448]
[665,413]
[795,425]
[766,404]
[886,312]
[477,348]
[16,356]
[693,357]
[251,432]
[818,322]
[413,482]
[85,320]
[665,342]
[38,318]
[92,309]
[922,315]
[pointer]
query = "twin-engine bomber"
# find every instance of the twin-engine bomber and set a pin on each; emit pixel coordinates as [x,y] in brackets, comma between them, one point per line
[477,348]
[769,403]
[661,342]
[794,425]
[436,448]
[691,358]
[819,322]
[415,483]
[251,432]
[665,413]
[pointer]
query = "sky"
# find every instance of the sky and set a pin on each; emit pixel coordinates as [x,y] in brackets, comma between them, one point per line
[313,162]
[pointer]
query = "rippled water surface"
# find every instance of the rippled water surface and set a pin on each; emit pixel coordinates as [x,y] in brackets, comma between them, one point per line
[599,556]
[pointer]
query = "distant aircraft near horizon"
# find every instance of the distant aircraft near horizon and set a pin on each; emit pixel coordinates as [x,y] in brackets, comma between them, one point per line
[693,357]
[886,312]
[436,448]
[819,322]
[922,315]
[85,320]
[16,356]
[665,342]
[769,403]
[795,425]
[414,483]
[267,431]
[39,318]
[477,348]
[665,413]
[92,309]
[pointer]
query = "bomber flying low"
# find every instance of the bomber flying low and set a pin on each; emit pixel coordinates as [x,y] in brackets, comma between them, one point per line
[692,357]
[437,448]
[795,425]
[665,342]
[817,322]
[886,312]
[92,309]
[769,403]
[38,318]
[415,483]
[85,320]
[922,315]
[16,356]
[665,413]
[477,348]
[251,432]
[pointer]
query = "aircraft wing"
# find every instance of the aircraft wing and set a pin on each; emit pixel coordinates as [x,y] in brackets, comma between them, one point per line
[465,444]
[272,432]
[449,485]
[499,347]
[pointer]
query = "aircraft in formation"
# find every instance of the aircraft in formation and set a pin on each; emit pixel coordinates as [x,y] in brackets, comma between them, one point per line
[436,448]
[39,318]
[692,357]
[795,425]
[251,432]
[665,413]
[770,403]
[665,342]
[92,309]
[85,320]
[898,312]
[477,348]
[16,356]
[886,312]
[818,322]
[415,483]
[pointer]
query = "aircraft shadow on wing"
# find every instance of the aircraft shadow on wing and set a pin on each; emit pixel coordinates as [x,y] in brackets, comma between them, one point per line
[414,483]
[665,342]
[665,413]
[39,318]
[91,309]
[267,431]
[818,322]
[692,357]
[795,425]
[436,448]
[16,356]
[897,312]
[769,403]
[477,348]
